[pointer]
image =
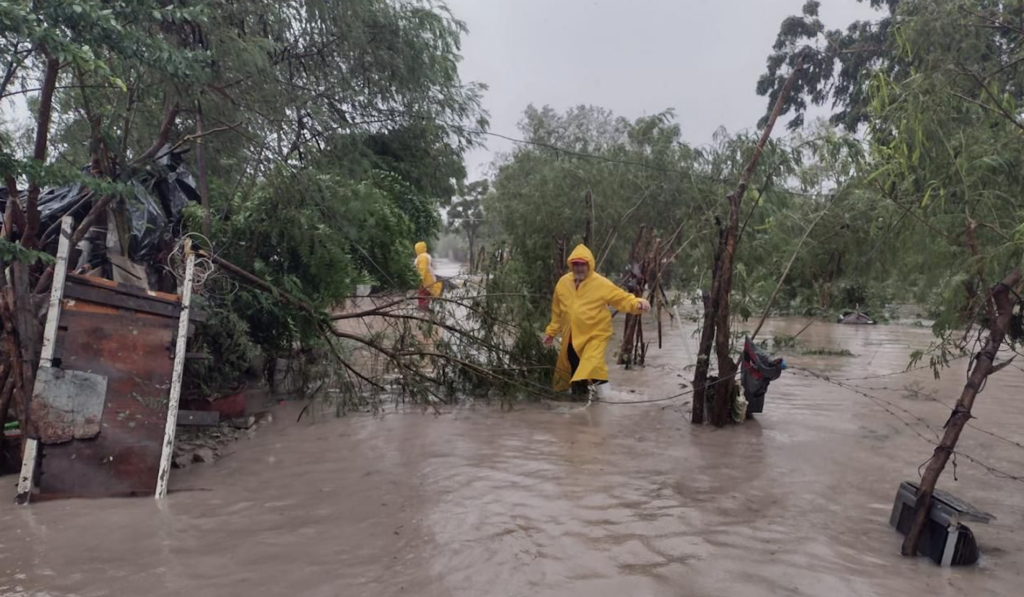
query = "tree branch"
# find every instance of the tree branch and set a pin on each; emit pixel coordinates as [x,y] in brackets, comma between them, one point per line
[911,212]
[13,216]
[170,117]
[39,150]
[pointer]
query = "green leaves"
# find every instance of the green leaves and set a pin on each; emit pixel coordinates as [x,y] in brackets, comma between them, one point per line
[837,64]
[15,252]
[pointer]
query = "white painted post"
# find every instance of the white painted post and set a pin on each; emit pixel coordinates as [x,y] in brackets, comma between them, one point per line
[60,273]
[952,534]
[60,270]
[179,368]
[28,471]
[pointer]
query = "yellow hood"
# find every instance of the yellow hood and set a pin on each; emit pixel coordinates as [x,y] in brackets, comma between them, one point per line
[582,252]
[580,315]
[421,248]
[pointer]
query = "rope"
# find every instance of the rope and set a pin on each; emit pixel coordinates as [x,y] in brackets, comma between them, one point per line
[674,397]
[652,401]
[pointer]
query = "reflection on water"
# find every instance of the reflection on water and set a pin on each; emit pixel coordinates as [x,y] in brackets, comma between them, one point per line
[608,500]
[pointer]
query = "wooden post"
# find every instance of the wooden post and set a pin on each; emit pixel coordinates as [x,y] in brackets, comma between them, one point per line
[28,472]
[176,376]
[30,457]
[657,308]
[983,367]
[634,283]
[6,395]
[60,272]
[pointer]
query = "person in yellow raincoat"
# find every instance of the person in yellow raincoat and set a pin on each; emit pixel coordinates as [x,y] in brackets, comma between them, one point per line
[580,315]
[430,286]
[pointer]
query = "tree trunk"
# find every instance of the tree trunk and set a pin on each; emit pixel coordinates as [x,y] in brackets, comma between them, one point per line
[699,411]
[43,118]
[716,314]
[721,405]
[13,216]
[6,395]
[626,353]
[204,189]
[23,335]
[170,117]
[983,366]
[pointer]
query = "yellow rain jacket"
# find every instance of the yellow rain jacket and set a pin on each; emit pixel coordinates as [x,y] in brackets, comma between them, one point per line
[581,317]
[424,264]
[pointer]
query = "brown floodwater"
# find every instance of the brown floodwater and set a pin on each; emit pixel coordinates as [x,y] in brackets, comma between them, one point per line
[611,500]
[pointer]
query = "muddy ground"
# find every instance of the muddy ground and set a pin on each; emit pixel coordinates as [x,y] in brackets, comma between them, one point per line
[612,500]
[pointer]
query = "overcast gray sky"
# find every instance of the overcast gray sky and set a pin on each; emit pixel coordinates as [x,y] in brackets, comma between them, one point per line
[635,57]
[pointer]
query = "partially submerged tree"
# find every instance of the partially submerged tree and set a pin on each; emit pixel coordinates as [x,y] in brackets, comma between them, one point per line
[936,86]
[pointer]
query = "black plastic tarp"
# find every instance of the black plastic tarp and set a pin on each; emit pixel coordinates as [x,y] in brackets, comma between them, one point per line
[54,203]
[154,206]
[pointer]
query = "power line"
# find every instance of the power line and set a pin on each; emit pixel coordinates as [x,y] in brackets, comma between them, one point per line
[591,156]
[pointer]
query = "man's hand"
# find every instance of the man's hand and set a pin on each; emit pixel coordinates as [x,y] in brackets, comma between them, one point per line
[645,305]
[548,341]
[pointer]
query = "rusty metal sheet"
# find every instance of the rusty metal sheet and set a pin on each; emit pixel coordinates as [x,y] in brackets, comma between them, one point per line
[133,350]
[67,404]
[170,299]
[122,301]
[159,303]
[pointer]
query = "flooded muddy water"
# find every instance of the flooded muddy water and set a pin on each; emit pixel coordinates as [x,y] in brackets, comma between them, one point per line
[612,500]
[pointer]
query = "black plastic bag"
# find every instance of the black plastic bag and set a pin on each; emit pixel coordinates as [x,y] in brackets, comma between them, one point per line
[757,370]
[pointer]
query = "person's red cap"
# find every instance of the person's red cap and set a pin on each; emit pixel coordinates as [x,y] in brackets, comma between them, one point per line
[578,260]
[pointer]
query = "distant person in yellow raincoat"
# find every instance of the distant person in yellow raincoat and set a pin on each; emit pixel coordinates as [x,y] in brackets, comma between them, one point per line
[580,315]
[430,286]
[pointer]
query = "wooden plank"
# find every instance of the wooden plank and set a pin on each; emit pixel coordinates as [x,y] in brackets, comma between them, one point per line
[85,288]
[28,471]
[127,300]
[170,299]
[176,376]
[60,269]
[122,301]
[198,418]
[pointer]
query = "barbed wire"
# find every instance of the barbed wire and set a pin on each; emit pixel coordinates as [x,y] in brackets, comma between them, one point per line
[881,402]
[933,398]
[898,373]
